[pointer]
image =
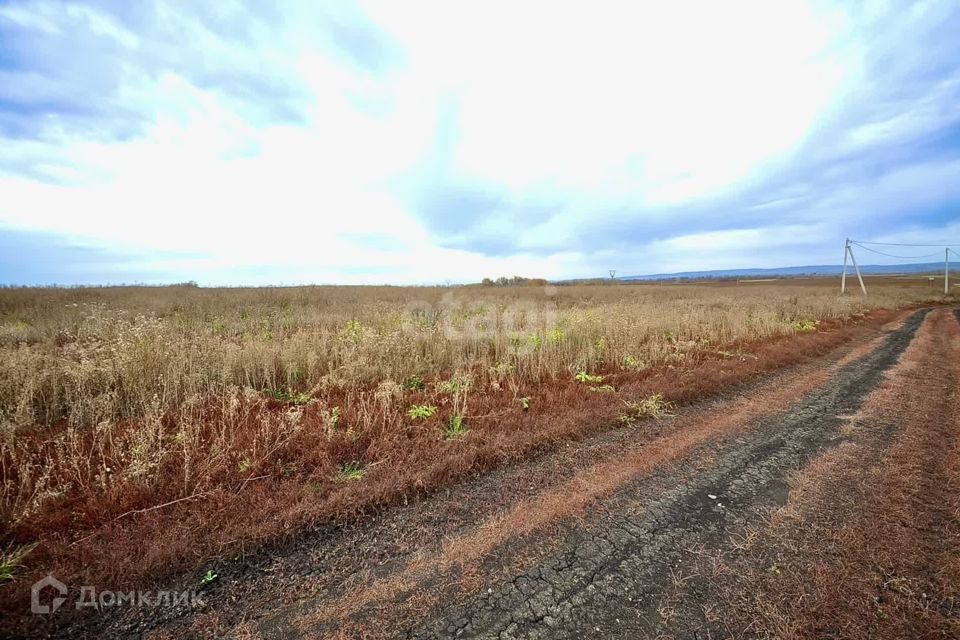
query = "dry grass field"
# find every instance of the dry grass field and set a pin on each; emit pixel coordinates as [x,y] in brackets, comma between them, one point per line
[145,430]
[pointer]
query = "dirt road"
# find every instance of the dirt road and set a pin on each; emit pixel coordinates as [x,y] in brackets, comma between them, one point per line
[823,501]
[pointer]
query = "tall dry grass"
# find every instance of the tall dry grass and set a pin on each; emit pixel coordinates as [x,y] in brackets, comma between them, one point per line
[146,370]
[116,399]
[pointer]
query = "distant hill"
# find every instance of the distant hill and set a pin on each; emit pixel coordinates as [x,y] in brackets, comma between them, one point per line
[780,272]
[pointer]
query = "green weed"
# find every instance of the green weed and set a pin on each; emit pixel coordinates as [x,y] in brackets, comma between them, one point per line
[351,471]
[414,383]
[331,418]
[604,388]
[456,428]
[290,397]
[421,412]
[633,363]
[586,378]
[13,559]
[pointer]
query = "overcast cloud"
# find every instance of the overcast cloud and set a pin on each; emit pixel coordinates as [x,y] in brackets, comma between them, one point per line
[408,142]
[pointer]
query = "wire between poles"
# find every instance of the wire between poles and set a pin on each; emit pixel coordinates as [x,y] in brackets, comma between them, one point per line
[890,255]
[904,244]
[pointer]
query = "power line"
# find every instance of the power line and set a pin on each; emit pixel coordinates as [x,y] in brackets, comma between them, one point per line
[848,253]
[890,255]
[904,244]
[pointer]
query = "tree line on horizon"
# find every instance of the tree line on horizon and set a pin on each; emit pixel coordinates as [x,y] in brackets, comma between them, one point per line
[504,281]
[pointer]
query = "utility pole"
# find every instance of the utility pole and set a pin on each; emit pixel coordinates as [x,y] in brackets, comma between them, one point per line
[946,271]
[853,259]
[613,273]
[843,279]
[848,252]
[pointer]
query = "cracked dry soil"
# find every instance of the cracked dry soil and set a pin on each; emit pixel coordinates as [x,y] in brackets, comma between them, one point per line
[608,579]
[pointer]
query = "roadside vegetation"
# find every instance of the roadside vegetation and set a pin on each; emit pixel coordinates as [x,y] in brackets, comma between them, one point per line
[204,419]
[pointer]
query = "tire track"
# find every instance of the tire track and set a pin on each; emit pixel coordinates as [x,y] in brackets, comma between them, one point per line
[608,578]
[866,547]
[496,547]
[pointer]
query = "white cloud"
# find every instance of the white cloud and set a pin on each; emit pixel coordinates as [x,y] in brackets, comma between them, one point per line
[669,100]
[294,138]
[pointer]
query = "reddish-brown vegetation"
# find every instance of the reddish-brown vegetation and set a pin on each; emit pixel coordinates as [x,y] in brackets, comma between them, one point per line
[121,539]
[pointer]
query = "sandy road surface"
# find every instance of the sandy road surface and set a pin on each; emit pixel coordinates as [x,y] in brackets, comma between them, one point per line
[693,526]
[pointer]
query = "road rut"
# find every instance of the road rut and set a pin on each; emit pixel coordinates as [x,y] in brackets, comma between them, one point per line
[608,578]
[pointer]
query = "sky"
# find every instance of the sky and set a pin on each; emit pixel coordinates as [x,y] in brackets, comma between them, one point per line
[257,143]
